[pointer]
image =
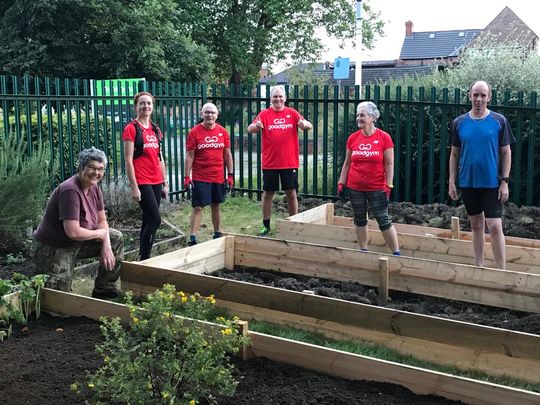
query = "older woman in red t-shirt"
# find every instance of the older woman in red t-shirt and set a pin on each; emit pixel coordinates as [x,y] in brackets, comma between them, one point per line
[368,174]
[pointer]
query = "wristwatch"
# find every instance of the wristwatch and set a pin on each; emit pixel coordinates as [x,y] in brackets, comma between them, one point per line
[505,179]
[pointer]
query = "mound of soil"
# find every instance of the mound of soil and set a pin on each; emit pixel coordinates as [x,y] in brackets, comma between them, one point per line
[39,365]
[420,304]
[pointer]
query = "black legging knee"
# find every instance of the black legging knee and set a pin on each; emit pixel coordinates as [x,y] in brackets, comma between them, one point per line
[150,200]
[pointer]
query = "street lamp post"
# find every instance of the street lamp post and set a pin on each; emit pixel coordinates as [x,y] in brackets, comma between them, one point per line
[358,68]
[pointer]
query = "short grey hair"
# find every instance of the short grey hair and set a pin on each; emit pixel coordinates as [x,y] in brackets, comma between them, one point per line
[277,87]
[371,108]
[91,154]
[209,105]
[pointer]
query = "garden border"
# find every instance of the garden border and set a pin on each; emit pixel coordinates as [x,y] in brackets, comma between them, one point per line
[321,226]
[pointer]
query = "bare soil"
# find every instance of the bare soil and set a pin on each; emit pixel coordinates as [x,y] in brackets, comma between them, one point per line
[420,304]
[39,365]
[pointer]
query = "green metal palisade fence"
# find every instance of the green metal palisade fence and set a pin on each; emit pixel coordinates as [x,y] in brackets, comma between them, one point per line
[68,114]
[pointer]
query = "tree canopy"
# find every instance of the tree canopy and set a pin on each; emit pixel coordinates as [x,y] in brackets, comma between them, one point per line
[170,39]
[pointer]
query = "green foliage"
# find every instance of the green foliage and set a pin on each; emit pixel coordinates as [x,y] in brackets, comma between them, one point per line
[504,68]
[164,358]
[118,201]
[29,297]
[24,182]
[244,35]
[65,137]
[100,39]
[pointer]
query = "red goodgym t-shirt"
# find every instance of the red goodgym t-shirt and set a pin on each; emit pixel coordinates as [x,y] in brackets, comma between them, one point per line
[209,146]
[367,172]
[147,166]
[279,138]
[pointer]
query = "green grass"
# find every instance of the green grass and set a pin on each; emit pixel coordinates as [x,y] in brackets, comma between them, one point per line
[238,215]
[382,353]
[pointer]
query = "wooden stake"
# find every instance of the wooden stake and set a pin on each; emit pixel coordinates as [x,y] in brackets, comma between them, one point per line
[383,278]
[243,330]
[455,228]
[229,252]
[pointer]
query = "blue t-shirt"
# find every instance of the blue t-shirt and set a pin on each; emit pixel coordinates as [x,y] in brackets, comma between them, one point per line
[480,141]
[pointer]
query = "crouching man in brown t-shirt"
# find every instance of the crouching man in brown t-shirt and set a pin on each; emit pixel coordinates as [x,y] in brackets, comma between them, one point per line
[75,226]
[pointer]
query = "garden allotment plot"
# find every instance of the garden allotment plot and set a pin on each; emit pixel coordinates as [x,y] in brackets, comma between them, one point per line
[468,346]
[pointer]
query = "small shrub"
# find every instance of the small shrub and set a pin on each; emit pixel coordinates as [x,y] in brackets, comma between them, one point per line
[24,182]
[118,202]
[163,358]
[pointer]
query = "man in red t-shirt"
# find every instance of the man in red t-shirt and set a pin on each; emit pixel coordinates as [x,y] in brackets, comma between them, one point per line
[279,125]
[208,150]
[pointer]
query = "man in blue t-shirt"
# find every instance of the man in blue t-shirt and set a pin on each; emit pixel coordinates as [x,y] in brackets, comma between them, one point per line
[481,142]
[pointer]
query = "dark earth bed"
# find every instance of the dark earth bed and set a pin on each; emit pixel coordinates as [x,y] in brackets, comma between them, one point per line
[420,304]
[39,365]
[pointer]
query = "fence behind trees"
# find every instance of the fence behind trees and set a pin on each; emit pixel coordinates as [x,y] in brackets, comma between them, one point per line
[72,114]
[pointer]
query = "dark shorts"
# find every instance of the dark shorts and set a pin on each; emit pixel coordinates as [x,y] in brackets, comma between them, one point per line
[272,177]
[204,193]
[377,201]
[478,200]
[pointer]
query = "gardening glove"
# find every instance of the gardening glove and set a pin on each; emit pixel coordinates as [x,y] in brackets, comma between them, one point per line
[230,182]
[342,192]
[188,183]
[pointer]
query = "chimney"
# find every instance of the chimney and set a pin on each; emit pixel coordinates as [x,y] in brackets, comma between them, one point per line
[408,28]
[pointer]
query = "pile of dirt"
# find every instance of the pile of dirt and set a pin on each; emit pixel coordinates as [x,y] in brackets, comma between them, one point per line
[420,304]
[40,364]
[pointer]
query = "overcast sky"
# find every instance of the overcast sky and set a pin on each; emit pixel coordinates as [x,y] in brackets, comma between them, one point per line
[434,15]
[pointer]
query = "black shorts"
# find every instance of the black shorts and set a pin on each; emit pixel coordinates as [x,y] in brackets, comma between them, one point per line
[272,177]
[478,200]
[205,193]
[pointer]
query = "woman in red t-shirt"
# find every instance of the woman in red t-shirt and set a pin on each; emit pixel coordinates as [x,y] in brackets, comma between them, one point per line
[145,168]
[368,174]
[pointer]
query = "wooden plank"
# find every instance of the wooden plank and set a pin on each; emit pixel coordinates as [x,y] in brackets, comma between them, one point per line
[383,278]
[386,320]
[461,357]
[229,252]
[187,255]
[321,359]
[438,232]
[329,213]
[356,367]
[315,215]
[455,228]
[427,247]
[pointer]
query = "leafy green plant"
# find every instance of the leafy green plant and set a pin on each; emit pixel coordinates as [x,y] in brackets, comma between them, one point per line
[24,182]
[164,358]
[29,296]
[118,202]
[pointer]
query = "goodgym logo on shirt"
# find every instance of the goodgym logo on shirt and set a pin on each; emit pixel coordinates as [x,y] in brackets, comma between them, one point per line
[212,142]
[279,123]
[151,142]
[365,150]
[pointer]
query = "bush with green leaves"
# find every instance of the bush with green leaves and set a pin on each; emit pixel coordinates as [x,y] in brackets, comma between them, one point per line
[29,297]
[162,357]
[25,182]
[118,201]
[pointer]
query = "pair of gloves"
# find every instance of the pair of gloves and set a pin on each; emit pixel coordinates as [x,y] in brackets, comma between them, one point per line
[229,183]
[343,194]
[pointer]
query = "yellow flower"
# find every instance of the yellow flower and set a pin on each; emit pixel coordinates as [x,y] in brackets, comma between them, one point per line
[149,386]
[192,402]
[106,359]
[135,320]
[181,294]
[184,299]
[227,331]
[165,394]
[91,385]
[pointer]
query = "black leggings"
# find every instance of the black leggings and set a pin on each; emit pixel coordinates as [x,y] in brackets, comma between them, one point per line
[150,200]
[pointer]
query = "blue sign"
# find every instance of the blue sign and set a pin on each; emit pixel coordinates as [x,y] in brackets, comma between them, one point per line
[341,68]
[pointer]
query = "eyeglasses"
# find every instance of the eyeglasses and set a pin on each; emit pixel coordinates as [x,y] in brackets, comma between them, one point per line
[100,170]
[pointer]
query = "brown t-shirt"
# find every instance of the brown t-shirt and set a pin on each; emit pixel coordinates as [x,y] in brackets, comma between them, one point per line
[68,202]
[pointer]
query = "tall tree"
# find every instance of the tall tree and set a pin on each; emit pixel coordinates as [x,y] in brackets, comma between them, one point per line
[99,39]
[244,34]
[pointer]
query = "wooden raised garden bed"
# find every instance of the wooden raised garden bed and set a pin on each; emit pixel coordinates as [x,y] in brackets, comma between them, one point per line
[464,345]
[320,226]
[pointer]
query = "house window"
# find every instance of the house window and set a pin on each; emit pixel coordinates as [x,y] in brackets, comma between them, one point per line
[461,34]
[431,36]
